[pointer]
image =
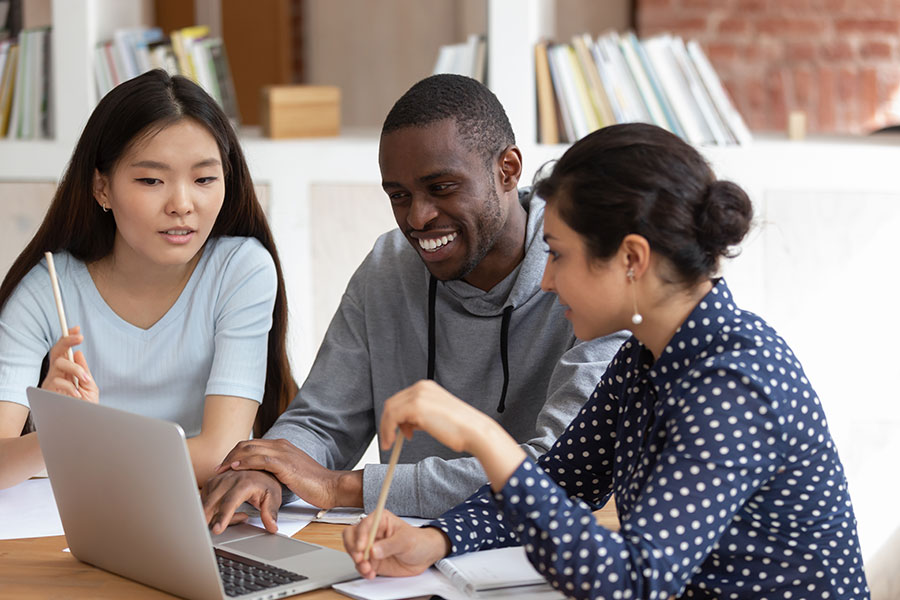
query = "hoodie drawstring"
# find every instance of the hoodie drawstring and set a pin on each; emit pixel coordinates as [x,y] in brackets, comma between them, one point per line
[504,340]
[432,295]
[504,357]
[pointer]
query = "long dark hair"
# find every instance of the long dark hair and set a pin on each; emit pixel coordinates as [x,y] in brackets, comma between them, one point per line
[75,222]
[639,178]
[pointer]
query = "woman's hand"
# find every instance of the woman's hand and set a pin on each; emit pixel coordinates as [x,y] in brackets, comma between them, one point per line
[427,406]
[459,426]
[63,373]
[400,550]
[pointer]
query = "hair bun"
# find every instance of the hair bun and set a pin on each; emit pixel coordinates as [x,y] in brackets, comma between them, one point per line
[724,217]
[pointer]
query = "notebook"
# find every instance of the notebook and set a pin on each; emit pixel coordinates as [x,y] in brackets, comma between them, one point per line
[500,572]
[128,503]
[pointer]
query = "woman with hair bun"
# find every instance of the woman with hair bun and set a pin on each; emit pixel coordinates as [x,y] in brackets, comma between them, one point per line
[704,427]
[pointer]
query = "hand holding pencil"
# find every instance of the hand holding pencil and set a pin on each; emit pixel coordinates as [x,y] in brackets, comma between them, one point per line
[383,544]
[68,372]
[405,550]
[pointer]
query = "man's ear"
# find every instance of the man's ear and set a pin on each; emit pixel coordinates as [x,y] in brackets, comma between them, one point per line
[510,167]
[100,188]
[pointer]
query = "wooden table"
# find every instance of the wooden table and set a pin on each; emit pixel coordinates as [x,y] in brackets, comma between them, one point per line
[37,568]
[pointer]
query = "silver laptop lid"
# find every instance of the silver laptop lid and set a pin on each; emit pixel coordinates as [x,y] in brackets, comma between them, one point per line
[126,494]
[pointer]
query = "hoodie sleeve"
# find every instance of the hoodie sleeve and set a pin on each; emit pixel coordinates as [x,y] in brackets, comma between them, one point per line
[429,487]
[332,417]
[572,383]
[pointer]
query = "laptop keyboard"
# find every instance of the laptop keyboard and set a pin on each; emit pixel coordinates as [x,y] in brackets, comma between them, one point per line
[244,576]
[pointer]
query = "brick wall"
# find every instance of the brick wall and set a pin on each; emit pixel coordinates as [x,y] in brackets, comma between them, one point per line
[837,60]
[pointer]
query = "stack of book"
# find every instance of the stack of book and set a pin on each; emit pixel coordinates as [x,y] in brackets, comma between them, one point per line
[25,91]
[468,58]
[190,52]
[588,84]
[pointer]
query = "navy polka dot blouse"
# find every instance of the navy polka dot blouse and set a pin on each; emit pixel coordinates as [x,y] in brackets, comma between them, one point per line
[726,480]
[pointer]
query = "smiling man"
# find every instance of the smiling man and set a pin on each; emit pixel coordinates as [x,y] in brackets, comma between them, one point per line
[453,295]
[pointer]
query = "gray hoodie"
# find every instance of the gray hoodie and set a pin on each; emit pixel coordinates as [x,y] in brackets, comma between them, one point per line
[378,343]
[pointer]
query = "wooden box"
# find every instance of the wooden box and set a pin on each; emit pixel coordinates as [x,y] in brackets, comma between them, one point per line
[288,111]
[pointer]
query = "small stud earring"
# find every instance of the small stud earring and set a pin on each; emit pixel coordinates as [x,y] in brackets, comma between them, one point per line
[636,318]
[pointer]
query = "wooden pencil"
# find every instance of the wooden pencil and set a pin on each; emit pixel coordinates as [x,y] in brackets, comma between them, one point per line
[382,497]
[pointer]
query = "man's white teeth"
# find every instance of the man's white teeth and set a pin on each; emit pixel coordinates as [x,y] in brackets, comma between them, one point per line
[433,244]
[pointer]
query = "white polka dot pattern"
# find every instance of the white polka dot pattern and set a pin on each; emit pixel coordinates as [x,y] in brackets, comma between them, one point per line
[726,479]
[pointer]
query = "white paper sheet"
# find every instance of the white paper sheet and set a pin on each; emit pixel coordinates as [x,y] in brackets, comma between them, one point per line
[298,514]
[29,510]
[291,517]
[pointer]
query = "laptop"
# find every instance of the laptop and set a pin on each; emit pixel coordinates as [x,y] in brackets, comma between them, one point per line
[128,502]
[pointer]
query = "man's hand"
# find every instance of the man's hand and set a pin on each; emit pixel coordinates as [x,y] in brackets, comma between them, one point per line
[298,471]
[224,493]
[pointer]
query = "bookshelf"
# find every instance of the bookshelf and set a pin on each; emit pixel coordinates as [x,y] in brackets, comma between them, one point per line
[77,26]
[818,266]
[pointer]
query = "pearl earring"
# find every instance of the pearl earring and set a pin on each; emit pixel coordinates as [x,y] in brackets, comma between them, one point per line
[636,318]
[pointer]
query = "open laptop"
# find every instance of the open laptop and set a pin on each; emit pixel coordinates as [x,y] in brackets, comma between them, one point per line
[128,502]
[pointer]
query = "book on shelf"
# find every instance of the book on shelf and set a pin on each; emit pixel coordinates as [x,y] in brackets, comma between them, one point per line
[570,103]
[662,57]
[189,51]
[581,44]
[7,80]
[132,49]
[731,117]
[183,41]
[566,130]
[699,94]
[548,126]
[622,79]
[656,85]
[642,82]
[617,78]
[25,96]
[468,58]
[224,81]
[584,103]
[605,74]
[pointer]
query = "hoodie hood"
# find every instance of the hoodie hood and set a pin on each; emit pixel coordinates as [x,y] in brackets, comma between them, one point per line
[522,283]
